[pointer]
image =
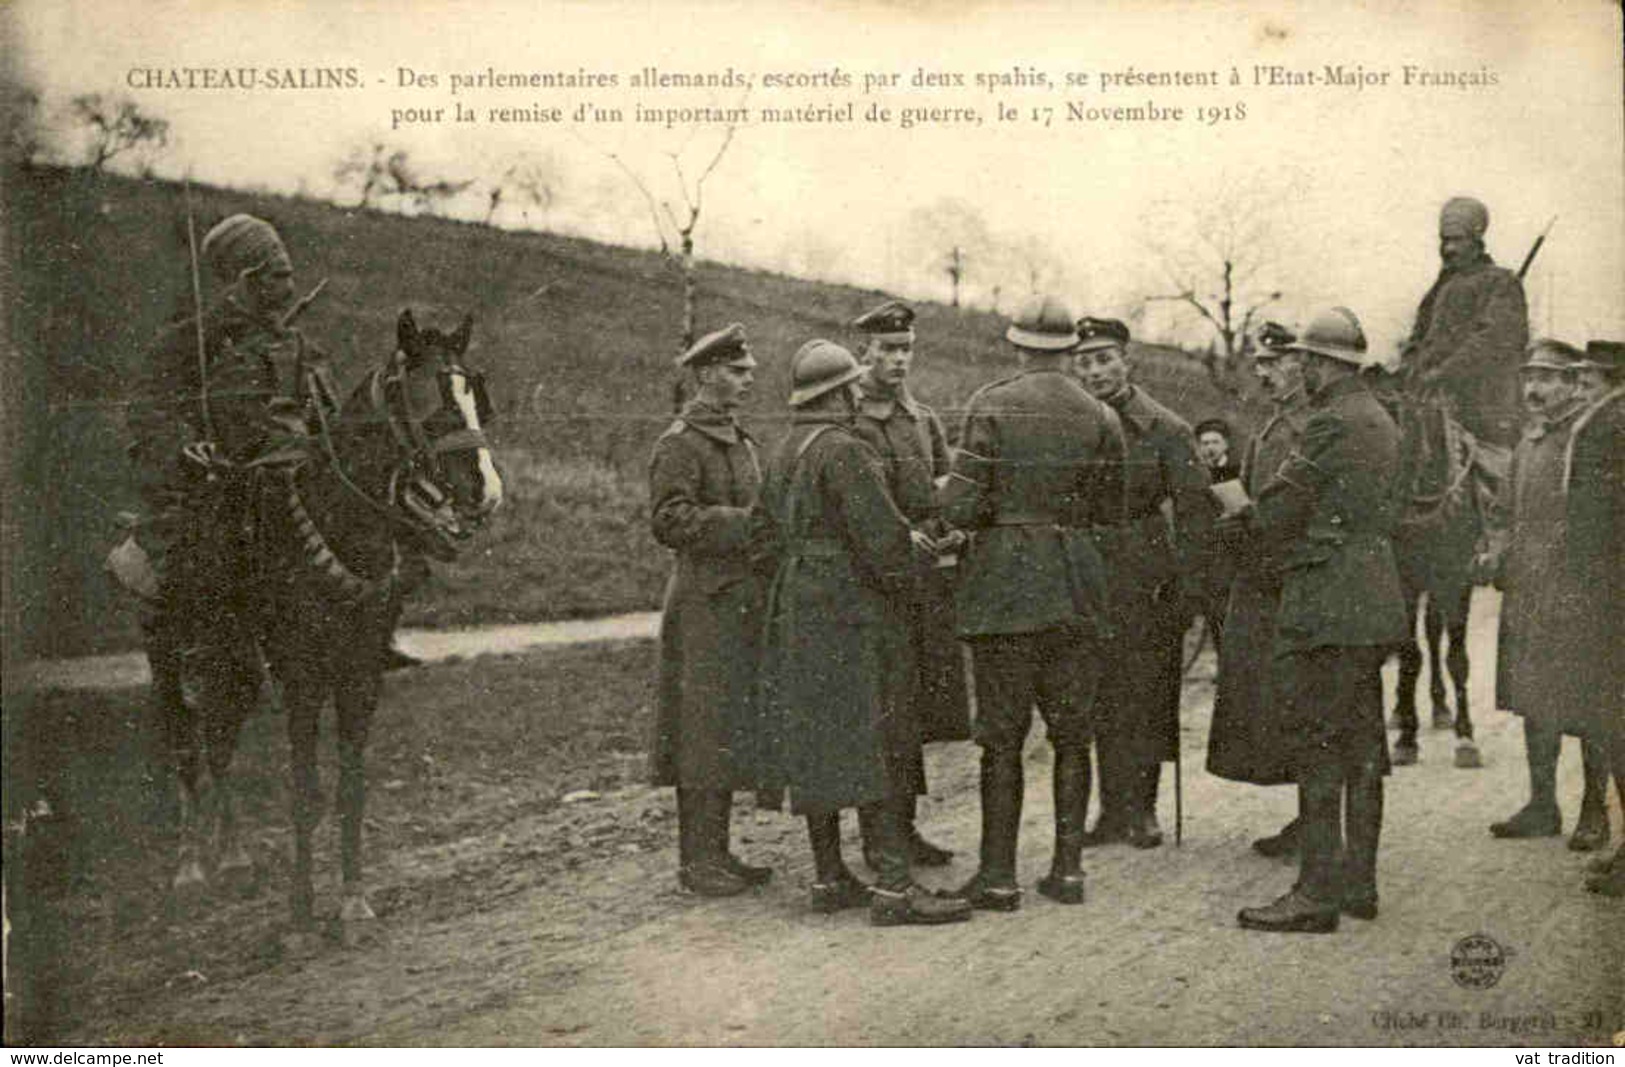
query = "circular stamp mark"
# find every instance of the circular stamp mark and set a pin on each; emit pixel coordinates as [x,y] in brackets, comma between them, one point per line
[1478,961]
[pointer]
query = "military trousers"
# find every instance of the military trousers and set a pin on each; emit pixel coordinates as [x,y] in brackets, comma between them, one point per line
[1057,670]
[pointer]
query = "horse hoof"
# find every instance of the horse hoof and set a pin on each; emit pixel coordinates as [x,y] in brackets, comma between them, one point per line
[1406,755]
[1467,755]
[1442,720]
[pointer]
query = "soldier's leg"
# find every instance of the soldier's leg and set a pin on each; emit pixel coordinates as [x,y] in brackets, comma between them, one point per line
[1363,790]
[702,870]
[1541,816]
[1607,874]
[721,812]
[835,887]
[1114,756]
[1592,832]
[1066,695]
[1006,668]
[895,899]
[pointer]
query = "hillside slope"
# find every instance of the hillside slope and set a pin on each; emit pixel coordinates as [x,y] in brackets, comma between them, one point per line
[577,340]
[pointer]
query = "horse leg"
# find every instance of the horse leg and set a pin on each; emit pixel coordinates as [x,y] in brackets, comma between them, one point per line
[355,699]
[1410,670]
[239,678]
[1466,750]
[180,743]
[1433,631]
[302,700]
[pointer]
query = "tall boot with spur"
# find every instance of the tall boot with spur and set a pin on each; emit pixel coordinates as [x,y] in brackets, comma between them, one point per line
[1064,883]
[993,887]
[1362,820]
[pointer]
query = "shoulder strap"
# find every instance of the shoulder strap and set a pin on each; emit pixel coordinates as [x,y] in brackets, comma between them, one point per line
[792,499]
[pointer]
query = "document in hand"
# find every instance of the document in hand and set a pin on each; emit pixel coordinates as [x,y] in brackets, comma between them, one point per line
[1230,495]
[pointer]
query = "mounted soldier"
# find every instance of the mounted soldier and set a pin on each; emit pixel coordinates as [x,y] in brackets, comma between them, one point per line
[914,447]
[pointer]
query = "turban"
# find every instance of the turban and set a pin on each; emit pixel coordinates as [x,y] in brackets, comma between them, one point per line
[1462,216]
[242,244]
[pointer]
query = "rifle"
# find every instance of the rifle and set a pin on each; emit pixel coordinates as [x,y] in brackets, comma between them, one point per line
[1535,249]
[197,315]
[304,302]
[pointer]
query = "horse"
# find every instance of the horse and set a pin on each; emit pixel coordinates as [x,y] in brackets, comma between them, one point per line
[321,526]
[1441,530]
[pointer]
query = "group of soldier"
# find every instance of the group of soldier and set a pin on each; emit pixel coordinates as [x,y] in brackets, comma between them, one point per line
[827,597]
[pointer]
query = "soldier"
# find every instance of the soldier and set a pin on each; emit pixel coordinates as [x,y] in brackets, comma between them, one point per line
[704,480]
[837,635]
[1213,445]
[1039,467]
[1470,330]
[1154,568]
[1594,491]
[1327,517]
[1244,743]
[1538,668]
[910,440]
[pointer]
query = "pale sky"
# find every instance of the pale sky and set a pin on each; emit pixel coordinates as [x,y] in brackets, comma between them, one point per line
[1350,180]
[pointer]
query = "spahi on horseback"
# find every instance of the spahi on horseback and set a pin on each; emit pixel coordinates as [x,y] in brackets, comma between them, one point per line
[276,528]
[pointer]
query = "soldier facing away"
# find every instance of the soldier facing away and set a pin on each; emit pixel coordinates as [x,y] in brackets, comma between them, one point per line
[1327,515]
[911,442]
[1040,467]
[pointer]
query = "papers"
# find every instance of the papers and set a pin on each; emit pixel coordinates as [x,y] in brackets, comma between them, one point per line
[1230,495]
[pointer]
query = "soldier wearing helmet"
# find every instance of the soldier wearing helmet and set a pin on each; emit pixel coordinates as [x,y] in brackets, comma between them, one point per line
[1470,330]
[1325,519]
[837,641]
[1038,472]
[704,480]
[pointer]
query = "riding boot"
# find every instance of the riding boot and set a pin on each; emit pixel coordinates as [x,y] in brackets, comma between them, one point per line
[1541,816]
[895,899]
[921,853]
[720,808]
[994,885]
[1362,819]
[1112,824]
[1144,830]
[835,887]
[1070,783]
[702,870]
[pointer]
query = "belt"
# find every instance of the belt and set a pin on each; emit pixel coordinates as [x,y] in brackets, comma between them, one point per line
[817,548]
[1018,519]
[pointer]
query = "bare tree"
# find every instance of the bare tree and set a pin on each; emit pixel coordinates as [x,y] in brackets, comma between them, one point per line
[116,127]
[956,239]
[372,169]
[675,218]
[1217,258]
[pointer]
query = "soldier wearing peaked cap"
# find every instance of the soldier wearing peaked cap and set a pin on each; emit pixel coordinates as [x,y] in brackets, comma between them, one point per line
[1470,330]
[848,566]
[911,442]
[1154,566]
[704,479]
[1039,468]
[1326,519]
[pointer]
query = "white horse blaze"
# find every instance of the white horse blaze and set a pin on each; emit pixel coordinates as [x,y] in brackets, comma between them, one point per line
[490,480]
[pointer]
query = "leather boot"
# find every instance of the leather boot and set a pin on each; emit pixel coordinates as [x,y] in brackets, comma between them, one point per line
[1540,817]
[1064,883]
[720,809]
[701,871]
[1284,842]
[836,887]
[896,900]
[1312,905]
[1112,824]
[921,853]
[1363,830]
[993,888]
[1591,834]
[1144,830]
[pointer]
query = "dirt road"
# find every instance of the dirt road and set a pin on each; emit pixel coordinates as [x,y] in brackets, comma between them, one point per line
[563,926]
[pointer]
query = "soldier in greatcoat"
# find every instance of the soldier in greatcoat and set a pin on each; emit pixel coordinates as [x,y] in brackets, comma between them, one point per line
[704,479]
[1327,516]
[1154,564]
[837,673]
[911,442]
[1244,741]
[1038,474]
[1538,669]
[1470,331]
[1594,492]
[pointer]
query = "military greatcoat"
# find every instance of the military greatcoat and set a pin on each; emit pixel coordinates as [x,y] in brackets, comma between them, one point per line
[1153,563]
[1595,494]
[1536,666]
[1244,742]
[1328,516]
[703,481]
[837,669]
[911,442]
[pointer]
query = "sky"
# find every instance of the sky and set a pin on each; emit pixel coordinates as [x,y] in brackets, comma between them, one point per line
[1339,186]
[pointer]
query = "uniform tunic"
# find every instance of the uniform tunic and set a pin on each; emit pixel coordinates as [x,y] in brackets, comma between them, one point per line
[1153,566]
[1536,666]
[1469,335]
[1328,516]
[1039,473]
[703,481]
[1595,495]
[1244,742]
[910,440]
[836,682]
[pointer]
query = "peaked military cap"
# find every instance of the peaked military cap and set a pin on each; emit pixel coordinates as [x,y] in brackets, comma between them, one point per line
[891,321]
[1547,353]
[726,345]
[1606,355]
[1101,333]
[1273,339]
[1044,324]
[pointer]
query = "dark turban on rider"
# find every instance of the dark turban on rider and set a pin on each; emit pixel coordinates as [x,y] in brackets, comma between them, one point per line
[1462,216]
[243,244]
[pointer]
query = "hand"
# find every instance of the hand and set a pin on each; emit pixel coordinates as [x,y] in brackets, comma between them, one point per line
[952,542]
[202,456]
[1235,526]
[923,543]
